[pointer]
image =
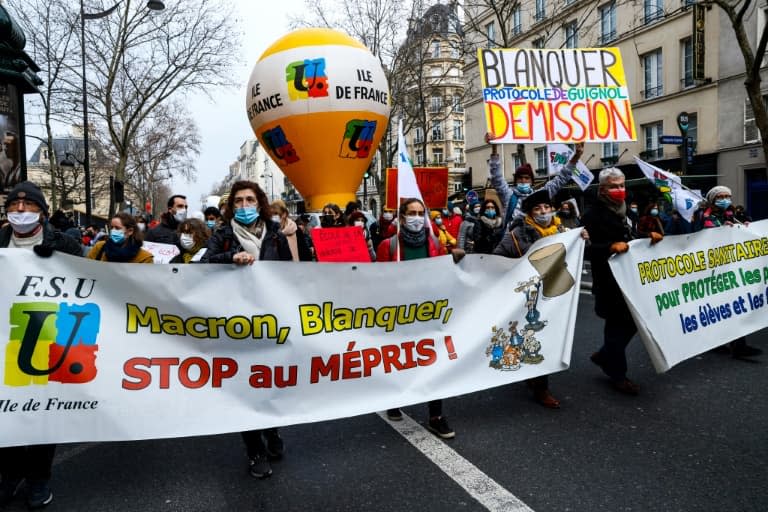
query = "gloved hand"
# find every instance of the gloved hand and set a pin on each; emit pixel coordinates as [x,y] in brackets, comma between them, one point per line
[618,247]
[458,254]
[656,237]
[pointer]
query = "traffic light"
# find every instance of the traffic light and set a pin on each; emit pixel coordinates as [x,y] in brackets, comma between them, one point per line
[118,191]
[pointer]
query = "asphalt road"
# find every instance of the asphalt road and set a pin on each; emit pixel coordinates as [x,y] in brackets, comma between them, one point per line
[693,440]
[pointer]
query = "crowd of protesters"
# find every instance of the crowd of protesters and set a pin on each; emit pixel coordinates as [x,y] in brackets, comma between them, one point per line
[245,229]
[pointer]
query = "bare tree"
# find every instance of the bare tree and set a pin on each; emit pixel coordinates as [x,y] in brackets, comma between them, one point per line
[138,61]
[737,11]
[49,26]
[164,147]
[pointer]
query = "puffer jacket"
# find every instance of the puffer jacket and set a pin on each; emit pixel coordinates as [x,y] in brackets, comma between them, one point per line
[224,244]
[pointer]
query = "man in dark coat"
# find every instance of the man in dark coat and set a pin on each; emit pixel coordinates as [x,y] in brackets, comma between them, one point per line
[165,232]
[609,231]
[29,228]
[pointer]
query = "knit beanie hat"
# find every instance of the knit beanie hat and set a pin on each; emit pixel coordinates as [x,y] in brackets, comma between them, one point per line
[433,214]
[29,191]
[715,191]
[524,170]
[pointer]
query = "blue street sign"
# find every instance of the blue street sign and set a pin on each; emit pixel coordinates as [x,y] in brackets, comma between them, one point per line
[472,197]
[671,139]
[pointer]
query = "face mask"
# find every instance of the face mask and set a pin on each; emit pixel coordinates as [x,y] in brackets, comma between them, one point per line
[524,188]
[445,212]
[360,223]
[180,215]
[117,236]
[388,216]
[246,215]
[723,203]
[633,209]
[326,220]
[476,210]
[276,218]
[545,219]
[210,223]
[186,240]
[491,214]
[617,195]
[654,212]
[24,222]
[565,213]
[456,210]
[439,221]
[141,226]
[414,223]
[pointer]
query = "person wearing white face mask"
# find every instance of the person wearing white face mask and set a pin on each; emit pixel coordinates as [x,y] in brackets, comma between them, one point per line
[28,228]
[539,221]
[193,237]
[123,244]
[287,226]
[384,228]
[357,218]
[165,232]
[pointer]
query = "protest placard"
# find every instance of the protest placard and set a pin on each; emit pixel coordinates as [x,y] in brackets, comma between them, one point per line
[344,245]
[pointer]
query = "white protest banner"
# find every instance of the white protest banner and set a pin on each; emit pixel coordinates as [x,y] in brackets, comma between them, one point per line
[684,200]
[691,293]
[555,95]
[161,253]
[103,351]
[558,155]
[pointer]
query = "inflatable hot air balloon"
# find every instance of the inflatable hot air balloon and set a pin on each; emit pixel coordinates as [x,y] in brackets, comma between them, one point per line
[318,102]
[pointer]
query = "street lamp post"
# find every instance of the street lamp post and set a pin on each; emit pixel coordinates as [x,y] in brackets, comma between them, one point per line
[155,5]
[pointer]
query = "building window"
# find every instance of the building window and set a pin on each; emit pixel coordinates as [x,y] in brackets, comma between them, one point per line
[608,23]
[435,71]
[541,161]
[610,153]
[419,154]
[652,71]
[538,42]
[653,149]
[458,155]
[517,23]
[418,136]
[686,51]
[455,51]
[751,132]
[541,11]
[490,35]
[435,104]
[435,49]
[458,130]
[458,106]
[437,156]
[437,130]
[571,35]
[652,10]
[516,160]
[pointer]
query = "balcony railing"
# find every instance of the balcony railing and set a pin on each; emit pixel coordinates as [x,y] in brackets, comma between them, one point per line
[539,16]
[652,154]
[517,30]
[609,160]
[652,17]
[687,82]
[607,37]
[652,92]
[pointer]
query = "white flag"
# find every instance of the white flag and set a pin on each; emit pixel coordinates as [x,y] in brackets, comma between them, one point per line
[558,155]
[406,179]
[683,199]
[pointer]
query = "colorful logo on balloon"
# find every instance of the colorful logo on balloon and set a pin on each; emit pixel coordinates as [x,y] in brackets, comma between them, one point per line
[276,142]
[358,139]
[52,342]
[306,79]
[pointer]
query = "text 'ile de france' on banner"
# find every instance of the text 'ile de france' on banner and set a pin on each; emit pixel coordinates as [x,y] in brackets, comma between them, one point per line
[553,95]
[691,293]
[109,351]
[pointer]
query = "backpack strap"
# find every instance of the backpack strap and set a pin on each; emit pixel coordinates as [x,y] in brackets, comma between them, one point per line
[392,246]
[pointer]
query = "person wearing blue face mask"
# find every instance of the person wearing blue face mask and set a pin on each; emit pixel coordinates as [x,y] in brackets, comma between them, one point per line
[246,236]
[717,211]
[522,185]
[650,222]
[489,229]
[122,243]
[212,218]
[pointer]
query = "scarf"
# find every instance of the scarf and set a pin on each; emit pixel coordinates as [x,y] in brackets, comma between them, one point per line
[121,253]
[250,237]
[188,255]
[552,229]
[618,209]
[411,239]
[493,223]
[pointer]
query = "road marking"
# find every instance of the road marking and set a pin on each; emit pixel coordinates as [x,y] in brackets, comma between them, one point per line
[480,486]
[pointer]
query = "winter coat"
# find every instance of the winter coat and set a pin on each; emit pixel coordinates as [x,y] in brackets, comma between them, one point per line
[165,232]
[605,227]
[53,240]
[465,240]
[385,252]
[519,239]
[710,217]
[487,237]
[143,256]
[224,244]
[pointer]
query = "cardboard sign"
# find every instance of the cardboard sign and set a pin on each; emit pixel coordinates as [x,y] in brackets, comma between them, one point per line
[555,95]
[340,245]
[432,181]
[161,253]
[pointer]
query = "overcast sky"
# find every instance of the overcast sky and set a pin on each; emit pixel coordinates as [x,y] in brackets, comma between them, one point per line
[222,122]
